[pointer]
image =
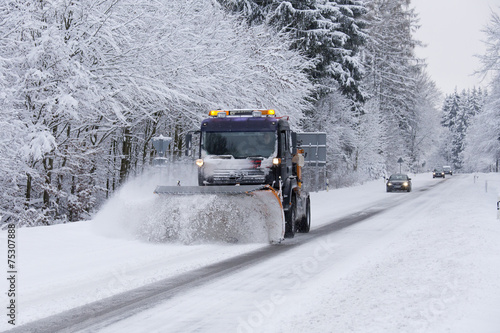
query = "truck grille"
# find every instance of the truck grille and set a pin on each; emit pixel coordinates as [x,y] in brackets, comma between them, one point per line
[252,176]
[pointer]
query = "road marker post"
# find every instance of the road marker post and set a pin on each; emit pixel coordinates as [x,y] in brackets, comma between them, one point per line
[498,207]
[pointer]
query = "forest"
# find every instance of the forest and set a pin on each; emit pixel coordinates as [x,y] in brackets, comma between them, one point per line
[86,85]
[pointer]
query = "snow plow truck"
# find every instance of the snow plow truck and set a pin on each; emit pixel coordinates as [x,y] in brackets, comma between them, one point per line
[253,164]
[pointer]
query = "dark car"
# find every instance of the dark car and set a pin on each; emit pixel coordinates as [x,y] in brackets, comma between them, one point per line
[438,173]
[447,170]
[398,182]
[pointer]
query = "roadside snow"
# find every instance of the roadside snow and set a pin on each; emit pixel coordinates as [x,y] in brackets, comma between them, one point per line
[64,266]
[433,267]
[431,264]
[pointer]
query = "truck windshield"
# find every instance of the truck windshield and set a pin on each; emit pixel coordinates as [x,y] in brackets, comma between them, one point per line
[239,144]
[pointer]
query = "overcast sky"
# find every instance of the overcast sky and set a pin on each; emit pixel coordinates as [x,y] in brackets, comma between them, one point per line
[452,30]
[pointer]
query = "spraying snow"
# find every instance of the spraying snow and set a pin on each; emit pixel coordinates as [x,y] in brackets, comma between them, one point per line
[136,212]
[134,203]
[212,218]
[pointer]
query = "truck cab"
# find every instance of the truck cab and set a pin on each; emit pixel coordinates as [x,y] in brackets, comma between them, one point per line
[238,148]
[250,147]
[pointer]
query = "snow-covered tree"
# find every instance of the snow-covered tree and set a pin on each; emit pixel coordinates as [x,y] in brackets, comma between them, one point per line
[482,143]
[369,157]
[329,31]
[482,151]
[393,73]
[85,85]
[458,112]
[424,135]
[333,115]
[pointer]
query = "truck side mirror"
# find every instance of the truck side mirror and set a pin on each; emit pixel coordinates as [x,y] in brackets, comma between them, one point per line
[188,139]
[294,140]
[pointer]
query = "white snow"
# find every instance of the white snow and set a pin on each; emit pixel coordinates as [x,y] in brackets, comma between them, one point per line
[136,212]
[429,264]
[40,142]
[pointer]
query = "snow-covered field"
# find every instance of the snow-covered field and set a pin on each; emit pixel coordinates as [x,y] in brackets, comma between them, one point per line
[430,264]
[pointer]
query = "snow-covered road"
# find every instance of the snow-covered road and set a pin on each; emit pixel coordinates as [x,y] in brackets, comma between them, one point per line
[429,264]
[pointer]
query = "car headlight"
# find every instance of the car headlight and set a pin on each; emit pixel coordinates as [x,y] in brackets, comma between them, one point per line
[389,184]
[405,184]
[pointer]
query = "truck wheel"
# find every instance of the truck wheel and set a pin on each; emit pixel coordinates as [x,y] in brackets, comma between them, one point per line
[305,222]
[290,218]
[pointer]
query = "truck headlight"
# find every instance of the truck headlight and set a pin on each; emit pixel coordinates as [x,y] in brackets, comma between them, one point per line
[276,161]
[199,162]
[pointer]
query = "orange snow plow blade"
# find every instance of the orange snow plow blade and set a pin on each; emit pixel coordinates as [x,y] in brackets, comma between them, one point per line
[190,214]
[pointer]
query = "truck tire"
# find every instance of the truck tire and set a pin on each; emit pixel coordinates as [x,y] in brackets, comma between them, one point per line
[290,218]
[305,222]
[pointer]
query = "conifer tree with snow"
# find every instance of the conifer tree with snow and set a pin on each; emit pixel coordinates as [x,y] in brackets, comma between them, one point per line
[393,74]
[458,113]
[482,150]
[329,31]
